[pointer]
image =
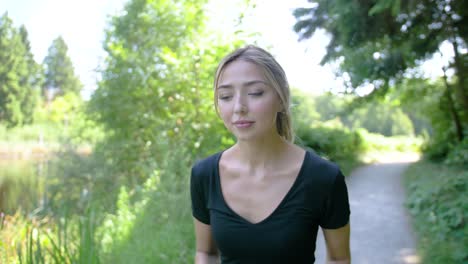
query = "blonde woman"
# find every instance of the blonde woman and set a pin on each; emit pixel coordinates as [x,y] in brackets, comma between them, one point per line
[263,199]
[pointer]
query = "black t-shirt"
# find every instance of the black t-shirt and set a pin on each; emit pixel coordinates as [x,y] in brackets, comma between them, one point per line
[317,197]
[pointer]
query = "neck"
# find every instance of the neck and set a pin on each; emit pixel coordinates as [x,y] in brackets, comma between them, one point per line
[261,153]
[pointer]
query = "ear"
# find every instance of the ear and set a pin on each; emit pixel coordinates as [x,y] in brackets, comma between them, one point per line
[280,106]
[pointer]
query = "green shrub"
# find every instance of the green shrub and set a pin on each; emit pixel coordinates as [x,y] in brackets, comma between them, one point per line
[153,223]
[438,201]
[331,141]
[438,147]
[458,154]
[380,143]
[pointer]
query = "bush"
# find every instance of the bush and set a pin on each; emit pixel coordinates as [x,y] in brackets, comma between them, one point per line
[438,201]
[380,143]
[331,141]
[153,223]
[458,155]
[438,147]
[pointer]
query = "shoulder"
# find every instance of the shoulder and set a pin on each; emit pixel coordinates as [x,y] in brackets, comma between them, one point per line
[205,166]
[321,170]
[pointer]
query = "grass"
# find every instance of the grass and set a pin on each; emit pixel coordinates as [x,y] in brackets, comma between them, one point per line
[438,202]
[42,139]
[45,132]
[46,240]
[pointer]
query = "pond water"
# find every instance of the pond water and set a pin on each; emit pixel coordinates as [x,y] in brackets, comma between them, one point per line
[22,185]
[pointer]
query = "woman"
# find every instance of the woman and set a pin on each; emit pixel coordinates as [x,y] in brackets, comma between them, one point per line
[262,200]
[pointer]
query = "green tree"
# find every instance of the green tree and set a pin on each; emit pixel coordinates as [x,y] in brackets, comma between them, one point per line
[155,101]
[428,100]
[34,79]
[59,72]
[19,75]
[156,88]
[383,116]
[376,41]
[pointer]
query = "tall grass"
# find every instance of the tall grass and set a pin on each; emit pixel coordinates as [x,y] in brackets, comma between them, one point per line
[151,223]
[46,240]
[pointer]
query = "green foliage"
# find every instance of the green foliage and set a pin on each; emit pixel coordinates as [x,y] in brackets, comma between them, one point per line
[458,154]
[379,143]
[155,105]
[379,43]
[331,140]
[156,85]
[428,100]
[19,75]
[379,39]
[153,224]
[381,117]
[304,109]
[331,106]
[324,124]
[47,238]
[63,121]
[60,78]
[68,112]
[67,241]
[438,201]
[29,133]
[75,181]
[154,101]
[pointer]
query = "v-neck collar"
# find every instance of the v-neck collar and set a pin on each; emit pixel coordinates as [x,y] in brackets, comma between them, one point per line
[285,198]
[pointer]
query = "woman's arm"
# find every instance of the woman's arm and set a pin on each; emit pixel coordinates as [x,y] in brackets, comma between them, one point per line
[207,253]
[337,241]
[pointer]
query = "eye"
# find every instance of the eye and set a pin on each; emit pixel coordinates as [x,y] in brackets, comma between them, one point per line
[224,97]
[257,93]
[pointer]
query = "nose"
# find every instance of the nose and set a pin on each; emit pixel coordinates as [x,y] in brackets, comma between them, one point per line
[240,105]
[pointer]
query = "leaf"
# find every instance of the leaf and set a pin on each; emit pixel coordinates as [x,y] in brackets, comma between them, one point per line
[379,7]
[396,7]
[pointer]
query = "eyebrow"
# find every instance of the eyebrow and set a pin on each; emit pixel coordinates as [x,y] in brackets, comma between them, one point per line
[246,84]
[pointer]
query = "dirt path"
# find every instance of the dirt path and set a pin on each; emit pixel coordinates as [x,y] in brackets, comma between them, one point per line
[380,225]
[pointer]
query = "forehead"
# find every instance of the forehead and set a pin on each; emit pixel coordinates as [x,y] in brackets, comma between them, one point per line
[241,71]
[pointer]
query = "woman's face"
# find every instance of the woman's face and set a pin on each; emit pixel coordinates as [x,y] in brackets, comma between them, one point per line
[246,102]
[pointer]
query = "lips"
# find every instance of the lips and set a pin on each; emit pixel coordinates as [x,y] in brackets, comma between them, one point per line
[243,123]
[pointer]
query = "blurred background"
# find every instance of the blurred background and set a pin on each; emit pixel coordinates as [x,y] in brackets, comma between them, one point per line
[105,105]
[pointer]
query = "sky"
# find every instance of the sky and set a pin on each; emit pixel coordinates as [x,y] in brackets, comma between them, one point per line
[82,22]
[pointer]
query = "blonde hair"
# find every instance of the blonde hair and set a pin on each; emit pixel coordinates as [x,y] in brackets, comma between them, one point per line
[274,75]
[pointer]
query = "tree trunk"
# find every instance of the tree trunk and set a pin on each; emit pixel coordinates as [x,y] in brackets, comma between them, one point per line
[453,111]
[461,79]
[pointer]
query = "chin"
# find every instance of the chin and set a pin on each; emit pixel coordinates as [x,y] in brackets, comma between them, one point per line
[250,137]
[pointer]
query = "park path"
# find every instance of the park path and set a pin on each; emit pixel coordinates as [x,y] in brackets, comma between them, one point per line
[380,225]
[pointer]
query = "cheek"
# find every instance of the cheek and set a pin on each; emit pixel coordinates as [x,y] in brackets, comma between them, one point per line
[266,109]
[224,112]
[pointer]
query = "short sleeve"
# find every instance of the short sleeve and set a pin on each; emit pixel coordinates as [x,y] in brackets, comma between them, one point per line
[335,213]
[198,193]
